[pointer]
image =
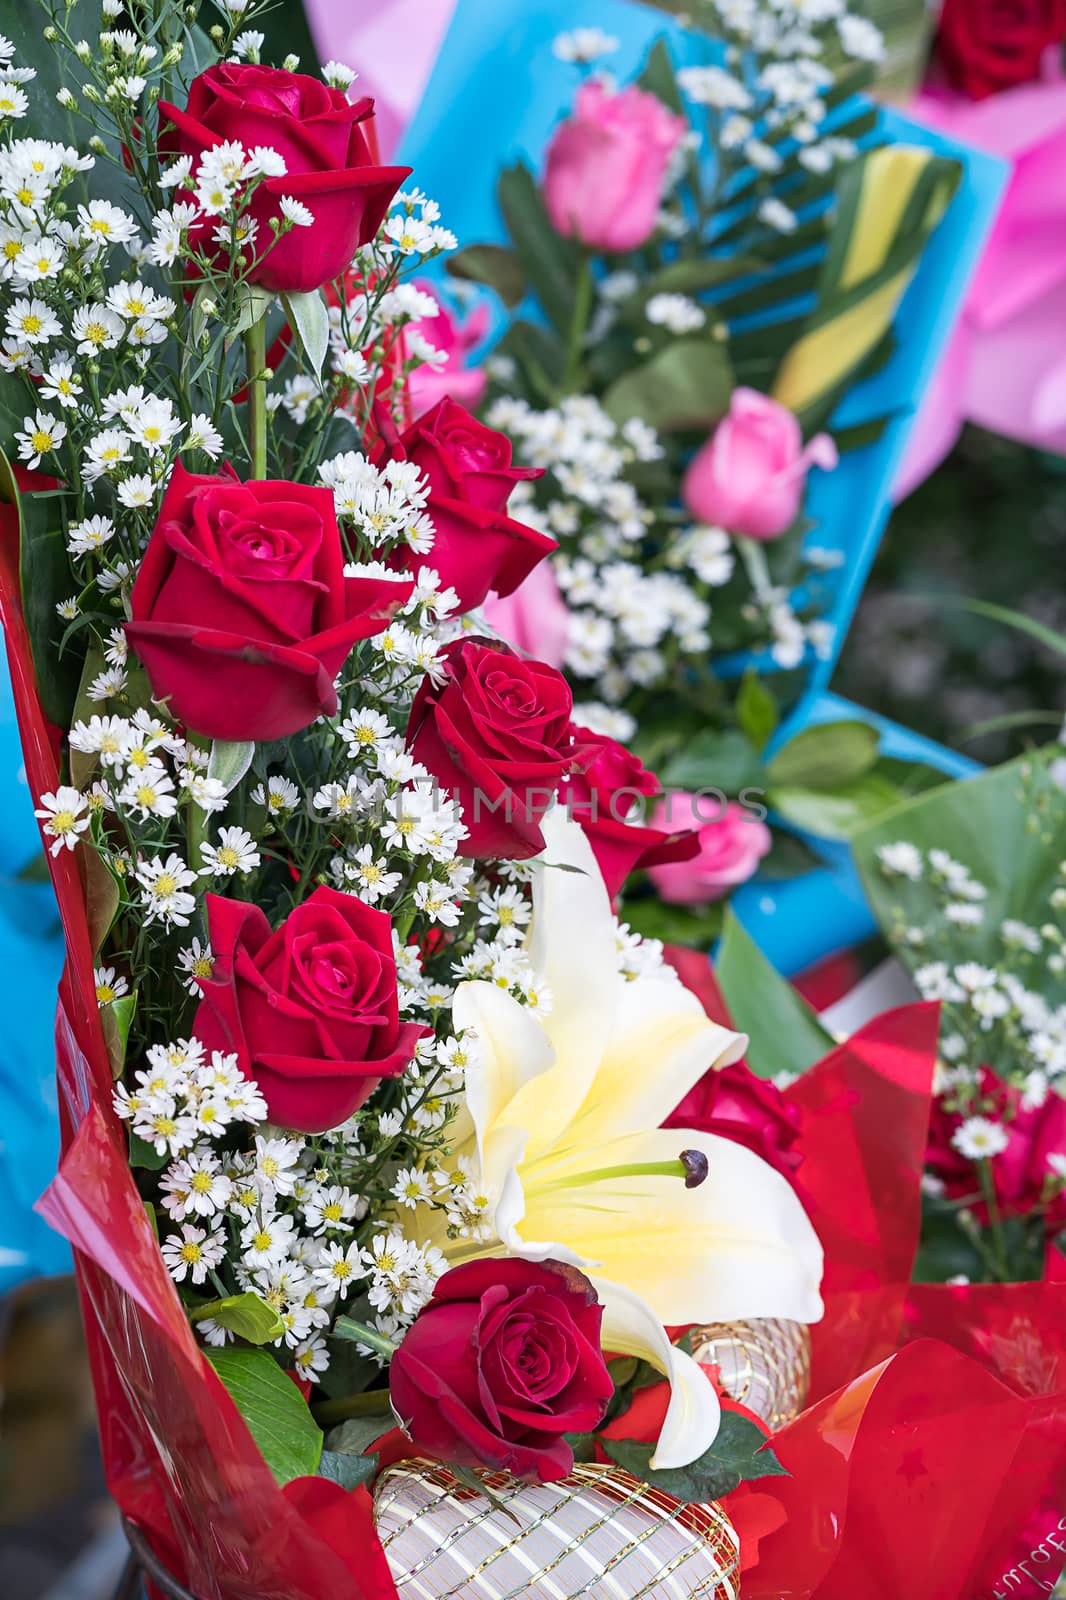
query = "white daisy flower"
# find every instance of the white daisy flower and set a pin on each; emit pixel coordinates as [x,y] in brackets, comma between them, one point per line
[63,819]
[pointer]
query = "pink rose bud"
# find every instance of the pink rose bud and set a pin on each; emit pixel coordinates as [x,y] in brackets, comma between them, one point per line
[606,166]
[732,843]
[750,475]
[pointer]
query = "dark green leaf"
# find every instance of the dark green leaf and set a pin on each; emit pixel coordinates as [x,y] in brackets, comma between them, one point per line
[756,709]
[1050,638]
[143,1154]
[550,262]
[116,1020]
[696,928]
[704,272]
[101,897]
[785,1034]
[45,579]
[825,756]
[727,761]
[309,320]
[356,1434]
[274,1409]
[246,1315]
[738,1454]
[540,356]
[687,384]
[347,1470]
[658,76]
[788,857]
[493,265]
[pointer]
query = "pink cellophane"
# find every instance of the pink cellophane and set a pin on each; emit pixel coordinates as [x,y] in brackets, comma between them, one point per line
[179,1459]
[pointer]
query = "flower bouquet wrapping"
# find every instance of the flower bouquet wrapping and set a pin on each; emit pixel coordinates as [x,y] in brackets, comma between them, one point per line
[714,355]
[362,1085]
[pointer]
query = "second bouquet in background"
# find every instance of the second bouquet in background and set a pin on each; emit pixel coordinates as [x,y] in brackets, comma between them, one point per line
[700,266]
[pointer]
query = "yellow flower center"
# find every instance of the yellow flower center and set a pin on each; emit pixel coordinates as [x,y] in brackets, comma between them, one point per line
[332,1212]
[62,822]
[104,994]
[228,857]
[202,966]
[40,441]
[201,1182]
[191,1252]
[31,323]
[95,332]
[165,885]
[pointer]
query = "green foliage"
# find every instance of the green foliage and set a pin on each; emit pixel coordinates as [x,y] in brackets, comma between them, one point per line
[45,579]
[825,756]
[756,709]
[493,265]
[687,384]
[725,760]
[550,263]
[246,1315]
[276,1413]
[309,320]
[785,1034]
[738,1454]
[696,927]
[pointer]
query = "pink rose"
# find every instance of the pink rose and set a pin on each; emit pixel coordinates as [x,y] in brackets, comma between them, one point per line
[731,845]
[535,618]
[454,339]
[606,166]
[749,477]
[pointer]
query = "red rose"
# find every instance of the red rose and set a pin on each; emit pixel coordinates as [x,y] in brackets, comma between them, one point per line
[751,1111]
[476,547]
[500,1365]
[310,1010]
[241,613]
[329,167]
[497,736]
[1022,1171]
[989,45]
[603,796]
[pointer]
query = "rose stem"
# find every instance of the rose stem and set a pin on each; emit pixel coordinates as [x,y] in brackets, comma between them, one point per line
[255,359]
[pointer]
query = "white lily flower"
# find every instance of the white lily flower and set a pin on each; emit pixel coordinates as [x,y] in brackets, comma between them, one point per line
[562,1121]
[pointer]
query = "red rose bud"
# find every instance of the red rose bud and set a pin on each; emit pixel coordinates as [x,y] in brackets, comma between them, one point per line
[497,736]
[311,1010]
[733,1103]
[502,1363]
[604,795]
[241,613]
[477,548]
[328,166]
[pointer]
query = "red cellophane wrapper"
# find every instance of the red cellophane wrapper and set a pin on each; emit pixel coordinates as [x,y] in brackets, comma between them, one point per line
[931,1461]
[179,1459]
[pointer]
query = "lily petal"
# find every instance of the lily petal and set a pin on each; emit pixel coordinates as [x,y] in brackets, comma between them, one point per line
[740,1245]
[661,1046]
[631,1328]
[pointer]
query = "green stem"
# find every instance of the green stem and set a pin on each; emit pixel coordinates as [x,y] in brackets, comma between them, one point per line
[255,361]
[753,557]
[572,377]
[988,1189]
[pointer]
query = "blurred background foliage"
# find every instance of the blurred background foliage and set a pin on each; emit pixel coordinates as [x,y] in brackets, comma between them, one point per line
[989,524]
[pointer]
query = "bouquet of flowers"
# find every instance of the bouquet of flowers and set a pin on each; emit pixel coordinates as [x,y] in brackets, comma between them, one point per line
[362,1082]
[694,287]
[968,885]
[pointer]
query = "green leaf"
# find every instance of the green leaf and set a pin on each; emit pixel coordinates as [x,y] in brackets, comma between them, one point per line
[685,385]
[788,857]
[712,760]
[145,1155]
[351,1472]
[309,320]
[658,76]
[274,1409]
[705,272]
[254,303]
[229,762]
[738,1454]
[102,897]
[697,929]
[540,356]
[45,579]
[838,813]
[116,1020]
[550,262]
[83,763]
[353,1437]
[1006,825]
[785,1034]
[493,265]
[246,1315]
[756,709]
[825,756]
